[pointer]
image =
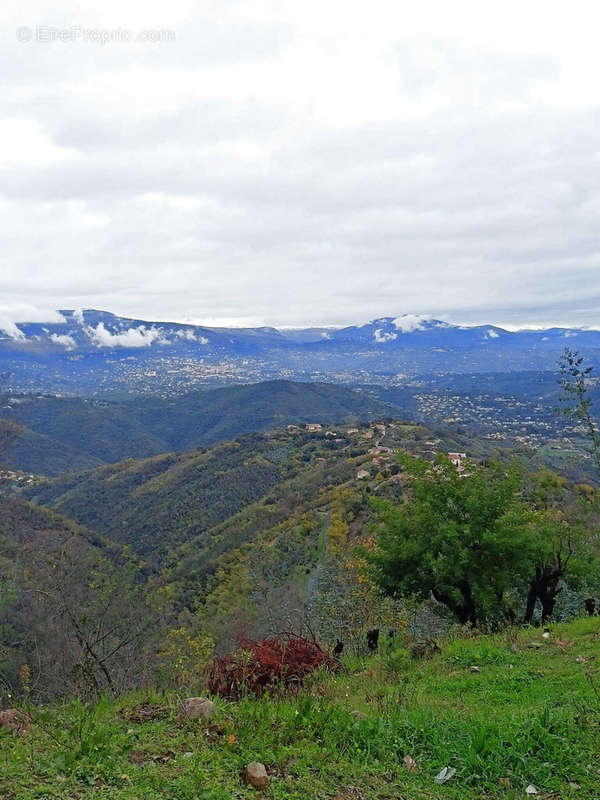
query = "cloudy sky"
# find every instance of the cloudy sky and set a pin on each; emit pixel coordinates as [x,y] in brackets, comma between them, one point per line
[302,162]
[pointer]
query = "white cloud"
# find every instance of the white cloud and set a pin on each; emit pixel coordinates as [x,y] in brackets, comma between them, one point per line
[141,336]
[20,312]
[133,337]
[23,142]
[381,336]
[408,323]
[189,335]
[10,328]
[492,333]
[63,339]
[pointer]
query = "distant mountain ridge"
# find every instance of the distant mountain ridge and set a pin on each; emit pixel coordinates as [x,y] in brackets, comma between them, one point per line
[95,351]
[91,329]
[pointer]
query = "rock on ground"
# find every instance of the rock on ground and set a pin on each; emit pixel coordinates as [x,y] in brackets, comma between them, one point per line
[255,775]
[195,708]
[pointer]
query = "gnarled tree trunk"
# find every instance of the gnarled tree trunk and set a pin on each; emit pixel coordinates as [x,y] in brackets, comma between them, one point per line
[465,611]
[545,588]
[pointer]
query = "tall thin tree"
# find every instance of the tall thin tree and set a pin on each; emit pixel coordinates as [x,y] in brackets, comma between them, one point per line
[575,400]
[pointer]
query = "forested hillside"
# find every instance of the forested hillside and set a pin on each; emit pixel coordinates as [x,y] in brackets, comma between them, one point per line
[241,534]
[67,434]
[158,503]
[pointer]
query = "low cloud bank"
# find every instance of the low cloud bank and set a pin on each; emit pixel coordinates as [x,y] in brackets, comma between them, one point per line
[132,337]
[381,336]
[64,340]
[408,323]
[11,315]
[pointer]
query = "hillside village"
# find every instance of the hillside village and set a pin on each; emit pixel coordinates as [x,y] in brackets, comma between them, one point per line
[513,415]
[382,440]
[16,478]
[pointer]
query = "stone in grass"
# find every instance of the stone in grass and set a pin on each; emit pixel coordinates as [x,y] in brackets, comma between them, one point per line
[255,775]
[532,789]
[410,763]
[195,708]
[474,668]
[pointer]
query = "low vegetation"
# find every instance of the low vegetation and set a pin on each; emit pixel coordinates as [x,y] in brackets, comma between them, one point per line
[270,665]
[506,712]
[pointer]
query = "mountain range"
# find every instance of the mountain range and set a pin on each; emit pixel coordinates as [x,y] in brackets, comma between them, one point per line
[91,352]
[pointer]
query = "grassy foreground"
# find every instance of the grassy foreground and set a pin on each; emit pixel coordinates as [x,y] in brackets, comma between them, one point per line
[530,715]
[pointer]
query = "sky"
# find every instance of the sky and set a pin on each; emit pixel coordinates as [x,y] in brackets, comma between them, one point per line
[301,163]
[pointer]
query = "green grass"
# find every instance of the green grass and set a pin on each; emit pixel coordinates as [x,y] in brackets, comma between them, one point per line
[531,715]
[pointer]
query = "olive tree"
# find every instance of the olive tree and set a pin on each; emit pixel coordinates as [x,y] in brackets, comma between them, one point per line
[465,538]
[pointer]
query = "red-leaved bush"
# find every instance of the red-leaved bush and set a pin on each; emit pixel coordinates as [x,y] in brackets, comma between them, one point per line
[269,664]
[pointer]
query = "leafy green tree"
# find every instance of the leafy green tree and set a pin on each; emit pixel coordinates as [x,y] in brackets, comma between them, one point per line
[465,538]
